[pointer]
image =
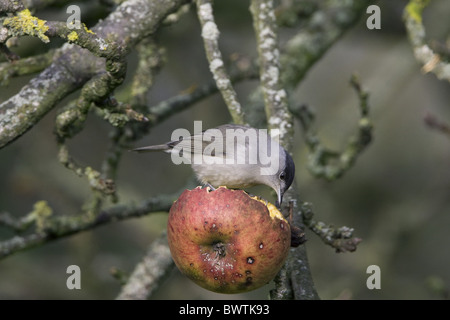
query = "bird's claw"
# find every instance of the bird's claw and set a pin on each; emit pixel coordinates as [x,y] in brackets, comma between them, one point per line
[207,185]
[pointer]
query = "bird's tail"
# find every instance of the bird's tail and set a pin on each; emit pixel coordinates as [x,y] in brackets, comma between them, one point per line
[159,147]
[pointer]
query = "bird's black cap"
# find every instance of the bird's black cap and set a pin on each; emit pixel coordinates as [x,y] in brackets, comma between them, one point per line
[289,171]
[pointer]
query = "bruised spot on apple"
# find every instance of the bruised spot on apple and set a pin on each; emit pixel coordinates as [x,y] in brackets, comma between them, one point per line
[226,241]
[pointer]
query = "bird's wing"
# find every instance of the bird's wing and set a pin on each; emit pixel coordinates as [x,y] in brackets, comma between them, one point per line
[214,143]
[209,142]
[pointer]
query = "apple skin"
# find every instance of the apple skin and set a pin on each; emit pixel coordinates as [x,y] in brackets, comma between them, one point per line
[226,241]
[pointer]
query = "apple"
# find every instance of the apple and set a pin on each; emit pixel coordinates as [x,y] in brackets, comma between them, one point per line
[227,241]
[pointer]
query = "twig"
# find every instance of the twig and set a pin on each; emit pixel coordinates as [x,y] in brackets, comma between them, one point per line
[175,17]
[210,35]
[11,6]
[57,227]
[10,56]
[152,57]
[24,23]
[325,25]
[86,39]
[434,123]
[150,272]
[341,239]
[95,91]
[74,66]
[431,62]
[179,102]
[17,225]
[25,66]
[330,164]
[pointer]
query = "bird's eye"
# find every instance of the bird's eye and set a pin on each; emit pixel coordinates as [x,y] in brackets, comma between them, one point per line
[282,176]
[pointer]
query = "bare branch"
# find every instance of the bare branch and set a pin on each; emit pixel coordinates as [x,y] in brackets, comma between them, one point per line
[179,102]
[275,97]
[210,35]
[341,238]
[294,281]
[25,66]
[74,66]
[431,61]
[327,24]
[437,124]
[150,272]
[11,6]
[331,164]
[57,227]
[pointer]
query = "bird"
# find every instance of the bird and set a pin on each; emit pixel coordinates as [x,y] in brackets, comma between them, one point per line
[234,156]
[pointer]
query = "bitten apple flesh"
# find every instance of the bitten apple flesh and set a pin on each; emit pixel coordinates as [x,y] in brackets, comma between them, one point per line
[226,241]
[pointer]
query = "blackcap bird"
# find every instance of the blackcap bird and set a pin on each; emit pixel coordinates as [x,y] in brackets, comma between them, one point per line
[234,156]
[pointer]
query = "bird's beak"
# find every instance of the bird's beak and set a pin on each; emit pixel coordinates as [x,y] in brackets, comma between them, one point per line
[280,198]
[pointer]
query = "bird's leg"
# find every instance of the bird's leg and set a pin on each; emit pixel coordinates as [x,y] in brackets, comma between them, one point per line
[208,185]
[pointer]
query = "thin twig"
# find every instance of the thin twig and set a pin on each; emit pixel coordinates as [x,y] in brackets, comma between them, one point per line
[341,238]
[58,227]
[437,124]
[150,272]
[25,66]
[431,61]
[74,66]
[331,164]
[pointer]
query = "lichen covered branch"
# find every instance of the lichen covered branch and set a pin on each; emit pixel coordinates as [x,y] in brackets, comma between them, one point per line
[50,227]
[25,66]
[10,6]
[341,238]
[150,272]
[435,123]
[74,66]
[331,164]
[210,35]
[275,96]
[294,281]
[430,60]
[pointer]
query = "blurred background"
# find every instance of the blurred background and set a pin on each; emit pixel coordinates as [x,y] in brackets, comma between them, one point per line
[396,197]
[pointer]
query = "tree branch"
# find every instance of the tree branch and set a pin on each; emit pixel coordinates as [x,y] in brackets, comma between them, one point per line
[294,281]
[341,239]
[150,272]
[57,227]
[326,22]
[11,6]
[210,35]
[331,164]
[275,97]
[75,66]
[430,60]
[326,25]
[437,124]
[25,66]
